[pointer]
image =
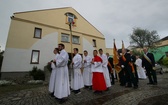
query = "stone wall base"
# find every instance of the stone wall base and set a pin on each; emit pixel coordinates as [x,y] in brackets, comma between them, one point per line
[13,75]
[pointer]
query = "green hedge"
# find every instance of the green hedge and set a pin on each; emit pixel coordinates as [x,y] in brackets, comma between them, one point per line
[165,61]
[37,74]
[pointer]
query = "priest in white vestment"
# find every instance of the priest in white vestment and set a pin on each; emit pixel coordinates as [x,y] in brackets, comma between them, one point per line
[87,74]
[140,69]
[77,78]
[105,68]
[62,88]
[53,73]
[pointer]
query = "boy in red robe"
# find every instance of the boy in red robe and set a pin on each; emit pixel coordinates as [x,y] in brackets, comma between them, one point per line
[98,81]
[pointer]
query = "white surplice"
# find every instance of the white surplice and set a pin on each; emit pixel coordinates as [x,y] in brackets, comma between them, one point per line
[77,78]
[105,70]
[62,88]
[53,75]
[87,74]
[140,69]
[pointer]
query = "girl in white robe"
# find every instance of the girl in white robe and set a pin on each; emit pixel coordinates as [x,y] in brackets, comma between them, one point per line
[140,69]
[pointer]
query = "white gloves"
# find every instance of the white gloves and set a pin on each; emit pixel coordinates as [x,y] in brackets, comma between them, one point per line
[122,66]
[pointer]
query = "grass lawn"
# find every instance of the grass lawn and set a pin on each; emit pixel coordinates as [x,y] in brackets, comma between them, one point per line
[14,88]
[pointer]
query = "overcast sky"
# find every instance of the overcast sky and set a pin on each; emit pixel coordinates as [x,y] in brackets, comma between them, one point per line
[114,18]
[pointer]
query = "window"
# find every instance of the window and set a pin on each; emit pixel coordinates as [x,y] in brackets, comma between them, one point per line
[75,39]
[35,57]
[70,18]
[94,43]
[37,33]
[64,37]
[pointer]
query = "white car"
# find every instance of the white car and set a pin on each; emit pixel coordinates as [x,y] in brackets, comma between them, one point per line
[158,68]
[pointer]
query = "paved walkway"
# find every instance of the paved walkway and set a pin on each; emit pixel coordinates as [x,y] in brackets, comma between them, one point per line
[117,95]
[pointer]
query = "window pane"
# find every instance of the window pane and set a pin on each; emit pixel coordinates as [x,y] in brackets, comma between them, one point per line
[64,37]
[94,43]
[35,57]
[70,15]
[70,19]
[37,33]
[75,39]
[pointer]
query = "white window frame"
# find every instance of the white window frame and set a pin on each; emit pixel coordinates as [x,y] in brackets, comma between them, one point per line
[75,37]
[35,33]
[94,43]
[65,35]
[34,59]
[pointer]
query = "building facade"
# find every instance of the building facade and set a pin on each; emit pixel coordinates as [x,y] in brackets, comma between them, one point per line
[162,48]
[34,34]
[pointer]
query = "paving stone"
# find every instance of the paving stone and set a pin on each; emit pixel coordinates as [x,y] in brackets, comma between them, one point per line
[15,99]
[117,95]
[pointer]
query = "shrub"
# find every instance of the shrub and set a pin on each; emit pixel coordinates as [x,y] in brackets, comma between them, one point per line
[37,74]
[165,61]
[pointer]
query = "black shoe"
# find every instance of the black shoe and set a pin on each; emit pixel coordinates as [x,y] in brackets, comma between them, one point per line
[107,89]
[128,86]
[149,83]
[90,87]
[154,83]
[97,92]
[122,84]
[61,101]
[52,94]
[77,93]
[112,83]
[135,87]
[86,87]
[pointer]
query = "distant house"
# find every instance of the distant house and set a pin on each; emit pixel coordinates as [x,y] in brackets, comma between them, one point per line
[110,51]
[162,47]
[34,34]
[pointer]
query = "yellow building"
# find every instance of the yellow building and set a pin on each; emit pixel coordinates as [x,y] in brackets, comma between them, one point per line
[110,51]
[34,34]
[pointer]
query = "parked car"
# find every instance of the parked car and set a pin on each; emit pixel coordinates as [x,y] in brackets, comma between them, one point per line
[158,68]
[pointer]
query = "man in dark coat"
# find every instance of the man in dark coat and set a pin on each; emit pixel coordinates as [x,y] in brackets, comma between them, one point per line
[129,70]
[148,62]
[133,59]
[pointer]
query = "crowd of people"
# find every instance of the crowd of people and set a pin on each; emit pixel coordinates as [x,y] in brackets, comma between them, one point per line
[97,73]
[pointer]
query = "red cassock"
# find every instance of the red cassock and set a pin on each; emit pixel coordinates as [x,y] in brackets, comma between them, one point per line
[98,81]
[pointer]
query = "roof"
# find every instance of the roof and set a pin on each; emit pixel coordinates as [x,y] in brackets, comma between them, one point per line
[165,38]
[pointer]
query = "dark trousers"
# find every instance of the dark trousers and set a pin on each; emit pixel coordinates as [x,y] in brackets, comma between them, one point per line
[136,74]
[151,73]
[112,78]
[122,77]
[131,78]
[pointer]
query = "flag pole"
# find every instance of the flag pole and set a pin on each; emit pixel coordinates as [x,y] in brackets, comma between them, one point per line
[115,57]
[70,28]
